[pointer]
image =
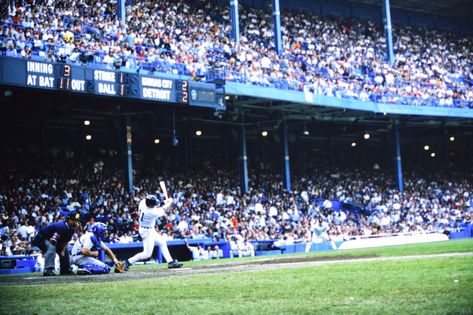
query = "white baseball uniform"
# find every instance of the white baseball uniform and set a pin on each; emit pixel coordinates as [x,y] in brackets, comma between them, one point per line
[149,235]
[91,242]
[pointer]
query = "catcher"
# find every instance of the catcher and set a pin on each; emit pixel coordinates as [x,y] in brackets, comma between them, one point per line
[85,252]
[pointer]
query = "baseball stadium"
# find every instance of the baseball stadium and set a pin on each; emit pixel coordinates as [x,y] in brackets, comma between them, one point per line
[236,157]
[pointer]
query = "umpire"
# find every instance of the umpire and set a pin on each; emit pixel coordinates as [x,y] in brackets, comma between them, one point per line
[53,239]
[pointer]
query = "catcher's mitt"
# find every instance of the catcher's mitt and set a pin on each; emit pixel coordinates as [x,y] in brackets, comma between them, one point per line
[119,266]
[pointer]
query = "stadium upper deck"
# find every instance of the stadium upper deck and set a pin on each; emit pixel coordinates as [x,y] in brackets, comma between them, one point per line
[325,55]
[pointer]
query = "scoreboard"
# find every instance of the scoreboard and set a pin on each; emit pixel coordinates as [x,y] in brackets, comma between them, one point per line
[106,82]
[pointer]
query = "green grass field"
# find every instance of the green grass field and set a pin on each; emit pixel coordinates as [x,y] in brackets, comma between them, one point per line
[438,285]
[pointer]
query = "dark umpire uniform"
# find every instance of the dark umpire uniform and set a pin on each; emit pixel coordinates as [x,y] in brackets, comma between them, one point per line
[53,239]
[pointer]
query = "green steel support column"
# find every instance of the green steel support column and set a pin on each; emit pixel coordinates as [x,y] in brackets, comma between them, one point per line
[287,166]
[235,20]
[388,32]
[397,144]
[277,26]
[244,158]
[129,156]
[121,11]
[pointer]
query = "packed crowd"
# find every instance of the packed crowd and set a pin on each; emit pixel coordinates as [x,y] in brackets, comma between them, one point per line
[323,55]
[326,205]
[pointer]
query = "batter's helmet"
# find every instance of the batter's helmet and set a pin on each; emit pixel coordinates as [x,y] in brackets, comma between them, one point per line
[99,230]
[151,201]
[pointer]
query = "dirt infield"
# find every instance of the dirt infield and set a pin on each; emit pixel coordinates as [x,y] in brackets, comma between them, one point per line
[213,268]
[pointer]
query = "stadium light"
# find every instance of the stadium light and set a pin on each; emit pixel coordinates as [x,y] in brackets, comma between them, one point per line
[227,97]
[366,136]
[86,122]
[452,139]
[88,137]
[305,132]
[157,141]
[198,133]
[264,133]
[432,154]
[426,148]
[175,141]
[353,144]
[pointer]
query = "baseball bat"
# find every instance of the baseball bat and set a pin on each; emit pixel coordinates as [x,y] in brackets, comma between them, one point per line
[162,184]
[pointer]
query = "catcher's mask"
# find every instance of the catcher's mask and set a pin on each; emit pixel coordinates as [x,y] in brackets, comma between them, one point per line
[100,230]
[151,201]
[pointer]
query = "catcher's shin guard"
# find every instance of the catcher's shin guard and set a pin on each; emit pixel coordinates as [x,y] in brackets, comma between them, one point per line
[96,269]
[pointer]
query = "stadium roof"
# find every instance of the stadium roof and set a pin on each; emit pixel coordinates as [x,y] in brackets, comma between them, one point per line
[64,113]
[440,7]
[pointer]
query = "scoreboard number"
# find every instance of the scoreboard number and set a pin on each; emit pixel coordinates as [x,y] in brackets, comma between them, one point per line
[185,92]
[65,78]
[66,71]
[122,91]
[64,83]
